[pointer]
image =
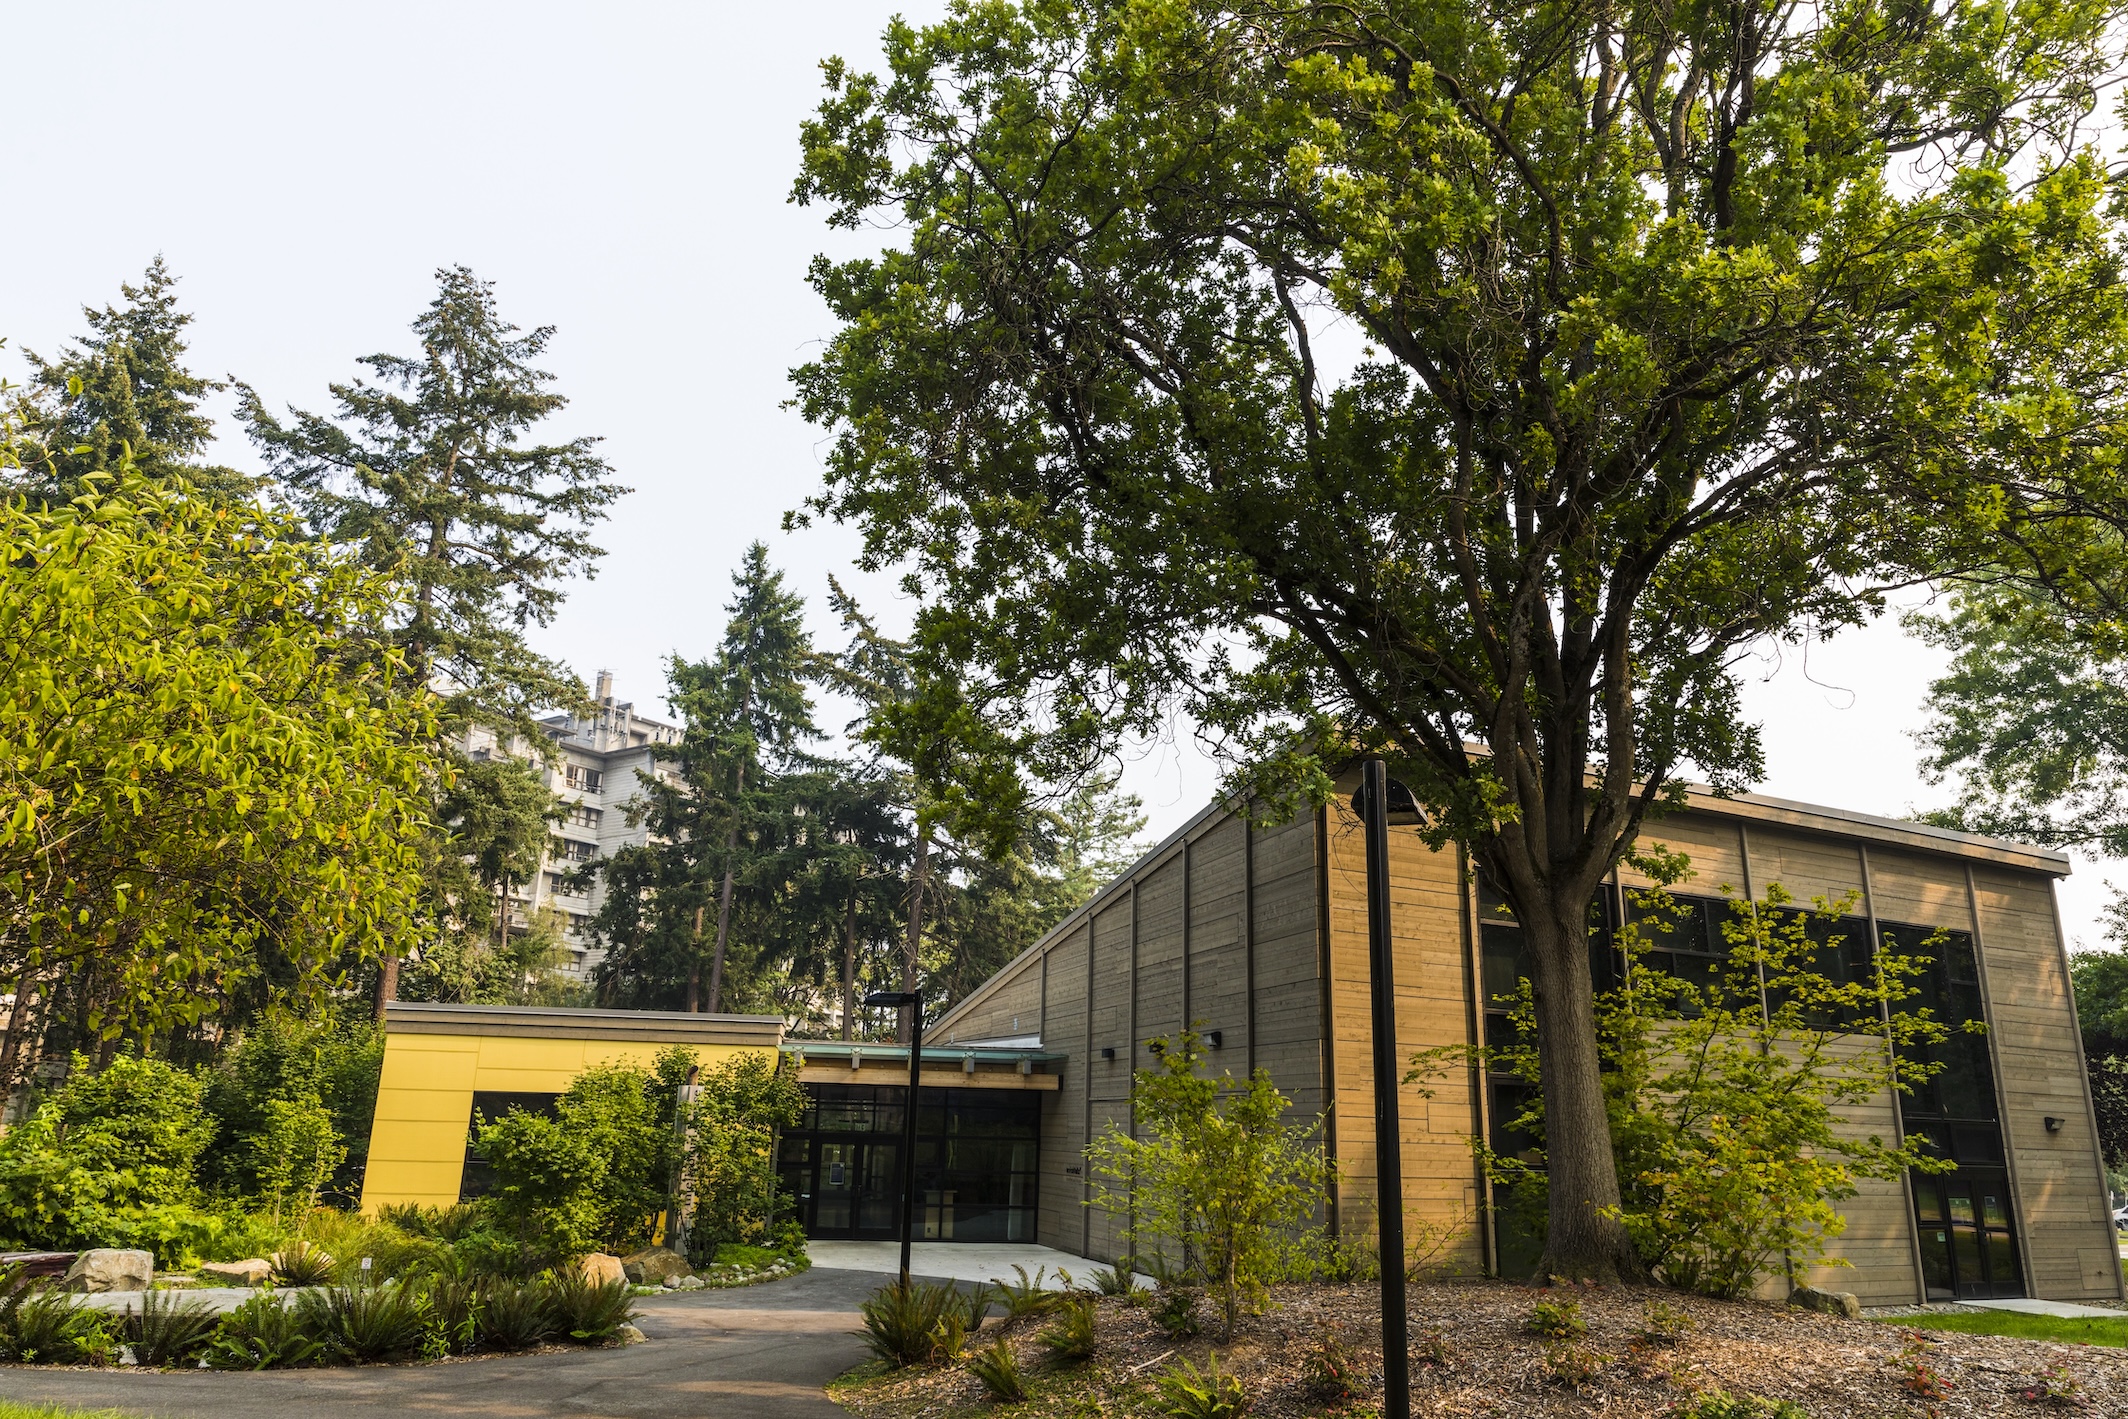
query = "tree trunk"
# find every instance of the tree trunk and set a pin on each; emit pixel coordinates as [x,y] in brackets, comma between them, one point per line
[387,985]
[18,1025]
[1584,1239]
[694,966]
[849,966]
[731,848]
[919,880]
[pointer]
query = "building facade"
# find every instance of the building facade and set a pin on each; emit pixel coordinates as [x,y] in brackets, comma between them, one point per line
[596,767]
[1258,937]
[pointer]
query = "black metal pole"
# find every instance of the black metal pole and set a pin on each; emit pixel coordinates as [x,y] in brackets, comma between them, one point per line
[908,1135]
[1388,1134]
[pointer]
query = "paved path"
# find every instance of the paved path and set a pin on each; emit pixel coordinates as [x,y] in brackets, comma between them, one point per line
[754,1352]
[2049,1308]
[959,1261]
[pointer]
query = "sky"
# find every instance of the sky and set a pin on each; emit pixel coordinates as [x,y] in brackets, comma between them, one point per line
[622,173]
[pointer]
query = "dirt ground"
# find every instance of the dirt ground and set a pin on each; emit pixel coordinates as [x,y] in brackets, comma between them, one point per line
[1473,1355]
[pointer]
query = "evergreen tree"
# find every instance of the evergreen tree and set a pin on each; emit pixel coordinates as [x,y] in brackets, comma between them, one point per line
[427,468]
[123,386]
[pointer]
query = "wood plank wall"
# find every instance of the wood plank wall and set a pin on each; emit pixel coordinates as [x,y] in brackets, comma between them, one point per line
[1442,1222]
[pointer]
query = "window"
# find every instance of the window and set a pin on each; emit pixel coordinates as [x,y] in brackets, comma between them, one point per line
[489,1105]
[581,816]
[559,885]
[579,922]
[571,850]
[578,777]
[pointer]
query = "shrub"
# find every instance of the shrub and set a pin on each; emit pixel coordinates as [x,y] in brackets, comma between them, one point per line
[547,1181]
[1571,1363]
[587,1311]
[1556,1320]
[1070,1338]
[999,1371]
[1332,1370]
[1715,1404]
[516,1315]
[730,1169]
[2054,1386]
[373,1321]
[1432,1347]
[1662,1325]
[265,1332]
[170,1328]
[297,1149]
[625,1115]
[302,1263]
[333,1059]
[1118,1280]
[1186,1392]
[1175,1312]
[454,1309]
[901,1323]
[1026,1297]
[1214,1169]
[51,1328]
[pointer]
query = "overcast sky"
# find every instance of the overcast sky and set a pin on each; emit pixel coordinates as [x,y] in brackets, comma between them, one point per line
[621,172]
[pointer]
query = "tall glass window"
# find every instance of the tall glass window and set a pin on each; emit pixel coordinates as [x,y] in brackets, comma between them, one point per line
[977,1151]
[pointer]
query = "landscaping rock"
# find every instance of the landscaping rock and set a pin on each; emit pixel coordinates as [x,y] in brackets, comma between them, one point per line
[600,1269]
[655,1266]
[255,1271]
[110,1269]
[628,1335]
[1832,1303]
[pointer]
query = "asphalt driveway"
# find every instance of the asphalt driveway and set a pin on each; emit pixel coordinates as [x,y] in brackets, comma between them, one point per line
[754,1352]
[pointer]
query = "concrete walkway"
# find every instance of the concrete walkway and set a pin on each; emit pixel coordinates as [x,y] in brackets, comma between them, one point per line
[957,1261]
[753,1352]
[2048,1308]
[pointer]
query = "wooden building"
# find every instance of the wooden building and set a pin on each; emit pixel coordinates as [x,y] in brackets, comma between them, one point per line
[1258,936]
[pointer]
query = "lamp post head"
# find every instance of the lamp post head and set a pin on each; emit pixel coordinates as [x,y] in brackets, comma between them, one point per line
[893,998]
[1403,805]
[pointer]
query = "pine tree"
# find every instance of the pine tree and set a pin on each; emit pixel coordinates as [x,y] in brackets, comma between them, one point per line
[123,386]
[425,466]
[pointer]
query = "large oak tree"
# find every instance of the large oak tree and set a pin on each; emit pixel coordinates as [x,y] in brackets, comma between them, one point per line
[1404,375]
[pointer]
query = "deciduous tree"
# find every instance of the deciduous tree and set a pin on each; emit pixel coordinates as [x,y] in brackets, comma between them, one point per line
[1398,375]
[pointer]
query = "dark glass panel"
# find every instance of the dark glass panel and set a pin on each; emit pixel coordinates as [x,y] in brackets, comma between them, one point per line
[1928,1201]
[1505,962]
[1976,1145]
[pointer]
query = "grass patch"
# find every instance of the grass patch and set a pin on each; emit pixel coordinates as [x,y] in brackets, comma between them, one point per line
[9,1409]
[2067,1330]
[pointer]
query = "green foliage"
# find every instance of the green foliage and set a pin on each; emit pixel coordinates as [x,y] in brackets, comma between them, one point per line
[999,1370]
[1682,329]
[1662,1325]
[171,1329]
[1026,1296]
[517,1315]
[1070,1337]
[302,1263]
[624,1115]
[547,1180]
[368,1322]
[1332,1370]
[204,785]
[1724,1113]
[1556,1320]
[1215,1173]
[265,1332]
[587,1311]
[2061,1330]
[1174,1310]
[297,1151]
[1719,1404]
[1118,1280]
[902,1323]
[109,1158]
[730,1169]
[53,1328]
[332,1057]
[1186,1392]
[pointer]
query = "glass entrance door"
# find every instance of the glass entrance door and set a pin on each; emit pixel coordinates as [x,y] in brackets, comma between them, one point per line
[1967,1247]
[853,1187]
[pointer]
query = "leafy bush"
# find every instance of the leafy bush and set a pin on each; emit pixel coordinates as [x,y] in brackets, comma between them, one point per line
[1556,1320]
[1431,1347]
[1175,1312]
[730,1170]
[1571,1363]
[51,1328]
[334,1059]
[625,1115]
[1070,1337]
[297,1150]
[106,1143]
[1332,1369]
[1715,1404]
[590,1312]
[170,1329]
[1186,1392]
[265,1332]
[548,1181]
[454,1310]
[1214,1169]
[902,1323]
[516,1315]
[1662,1324]
[999,1371]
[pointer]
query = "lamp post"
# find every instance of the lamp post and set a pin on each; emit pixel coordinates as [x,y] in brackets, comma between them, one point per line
[915,1003]
[1381,801]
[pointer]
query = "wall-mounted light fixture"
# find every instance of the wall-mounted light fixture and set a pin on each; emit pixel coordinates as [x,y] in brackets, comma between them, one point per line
[1217,1037]
[2054,1125]
[1108,1051]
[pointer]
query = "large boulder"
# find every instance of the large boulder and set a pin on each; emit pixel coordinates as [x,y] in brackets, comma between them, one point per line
[601,1269]
[654,1266]
[252,1272]
[1832,1303]
[110,1269]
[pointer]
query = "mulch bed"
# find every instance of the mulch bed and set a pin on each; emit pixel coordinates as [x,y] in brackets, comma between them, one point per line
[1832,1368]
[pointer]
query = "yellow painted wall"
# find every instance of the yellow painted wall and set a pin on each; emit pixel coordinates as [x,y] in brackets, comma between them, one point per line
[425,1095]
